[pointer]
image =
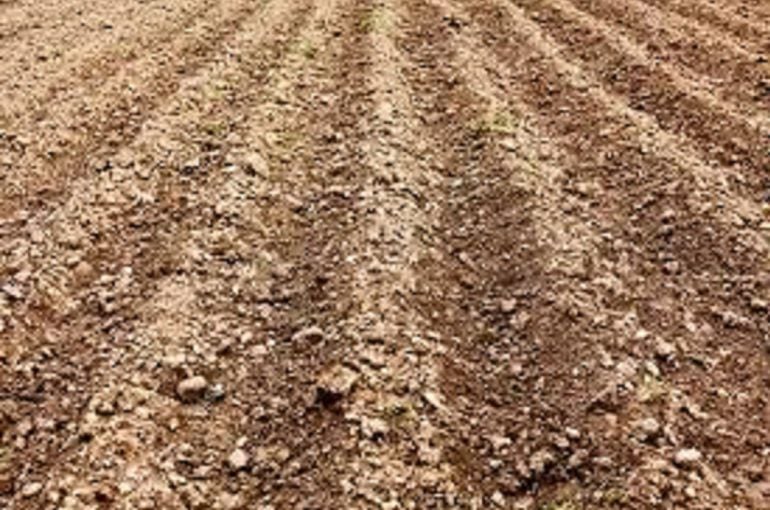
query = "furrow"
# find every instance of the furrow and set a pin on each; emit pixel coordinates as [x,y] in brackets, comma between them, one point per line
[710,60]
[59,24]
[617,309]
[650,90]
[267,245]
[399,459]
[486,239]
[118,257]
[81,134]
[304,129]
[38,67]
[674,148]
[741,20]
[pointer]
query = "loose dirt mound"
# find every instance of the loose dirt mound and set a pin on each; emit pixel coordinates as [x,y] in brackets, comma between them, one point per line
[397,254]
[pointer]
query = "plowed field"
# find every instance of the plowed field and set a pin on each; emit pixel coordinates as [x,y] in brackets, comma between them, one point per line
[386,254]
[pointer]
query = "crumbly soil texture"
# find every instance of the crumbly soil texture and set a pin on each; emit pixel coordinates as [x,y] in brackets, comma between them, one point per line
[384,254]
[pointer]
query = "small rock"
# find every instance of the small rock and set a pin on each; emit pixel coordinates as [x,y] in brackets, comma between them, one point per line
[508,305]
[603,462]
[105,408]
[652,369]
[434,399]
[335,384]
[606,399]
[668,216]
[664,350]
[733,320]
[759,305]
[572,433]
[216,393]
[374,428]
[373,357]
[641,334]
[191,165]
[525,503]
[627,369]
[25,427]
[755,472]
[541,461]
[647,429]
[687,457]
[231,501]
[498,499]
[311,334]
[12,291]
[605,359]
[192,389]
[759,494]
[672,267]
[254,162]
[238,460]
[578,459]
[499,443]
[31,489]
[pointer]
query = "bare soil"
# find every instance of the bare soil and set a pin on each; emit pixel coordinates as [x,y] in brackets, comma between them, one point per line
[391,254]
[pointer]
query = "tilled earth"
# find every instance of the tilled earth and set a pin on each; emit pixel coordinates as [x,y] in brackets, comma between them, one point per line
[388,254]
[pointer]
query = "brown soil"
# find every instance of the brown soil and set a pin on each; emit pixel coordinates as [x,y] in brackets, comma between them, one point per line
[423,254]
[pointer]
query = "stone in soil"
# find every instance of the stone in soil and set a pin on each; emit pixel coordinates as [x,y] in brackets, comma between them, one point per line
[687,457]
[335,384]
[238,460]
[192,389]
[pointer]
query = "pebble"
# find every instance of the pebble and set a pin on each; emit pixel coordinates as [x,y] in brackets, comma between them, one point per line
[572,433]
[508,305]
[12,291]
[759,305]
[668,216]
[374,428]
[216,392]
[578,459]
[31,489]
[192,389]
[434,399]
[254,162]
[335,384]
[540,461]
[652,369]
[664,350]
[191,165]
[498,499]
[733,320]
[687,457]
[231,501]
[238,460]
[499,443]
[647,429]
